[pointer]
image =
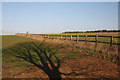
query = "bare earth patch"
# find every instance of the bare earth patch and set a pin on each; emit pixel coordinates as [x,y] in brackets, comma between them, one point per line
[86,67]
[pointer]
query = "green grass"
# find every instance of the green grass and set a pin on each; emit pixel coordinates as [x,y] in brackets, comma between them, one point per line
[10,40]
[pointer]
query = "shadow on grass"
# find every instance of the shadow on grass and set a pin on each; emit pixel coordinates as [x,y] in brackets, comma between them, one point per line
[41,56]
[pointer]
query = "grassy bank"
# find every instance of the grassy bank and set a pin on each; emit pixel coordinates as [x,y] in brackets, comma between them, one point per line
[14,46]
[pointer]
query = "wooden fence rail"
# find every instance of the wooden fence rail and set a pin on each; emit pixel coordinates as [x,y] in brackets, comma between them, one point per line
[79,37]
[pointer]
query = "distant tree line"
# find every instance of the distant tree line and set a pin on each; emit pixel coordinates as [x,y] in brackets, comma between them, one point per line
[92,31]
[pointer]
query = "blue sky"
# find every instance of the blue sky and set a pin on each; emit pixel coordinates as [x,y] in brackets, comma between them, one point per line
[57,17]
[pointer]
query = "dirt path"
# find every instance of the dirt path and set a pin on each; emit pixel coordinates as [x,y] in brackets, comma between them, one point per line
[86,67]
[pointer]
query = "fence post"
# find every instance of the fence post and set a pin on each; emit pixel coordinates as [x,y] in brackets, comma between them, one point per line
[26,34]
[85,38]
[77,37]
[71,38]
[54,36]
[61,37]
[96,39]
[111,41]
[57,36]
[44,36]
[48,36]
[66,37]
[51,36]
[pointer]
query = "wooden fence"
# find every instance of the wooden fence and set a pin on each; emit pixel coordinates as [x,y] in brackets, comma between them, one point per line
[79,37]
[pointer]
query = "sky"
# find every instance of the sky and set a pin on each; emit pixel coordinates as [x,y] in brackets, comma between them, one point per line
[57,17]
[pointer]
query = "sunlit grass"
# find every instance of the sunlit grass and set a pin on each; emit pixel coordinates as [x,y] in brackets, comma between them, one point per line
[10,40]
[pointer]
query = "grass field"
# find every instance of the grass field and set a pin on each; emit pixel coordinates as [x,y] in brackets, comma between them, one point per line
[12,45]
[10,40]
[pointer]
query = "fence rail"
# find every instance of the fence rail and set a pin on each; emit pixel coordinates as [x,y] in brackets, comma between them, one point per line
[110,39]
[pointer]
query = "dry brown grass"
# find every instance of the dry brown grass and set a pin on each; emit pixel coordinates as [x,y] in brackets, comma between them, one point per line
[99,47]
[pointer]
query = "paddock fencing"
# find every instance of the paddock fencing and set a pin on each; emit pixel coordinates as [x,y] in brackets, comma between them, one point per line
[111,40]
